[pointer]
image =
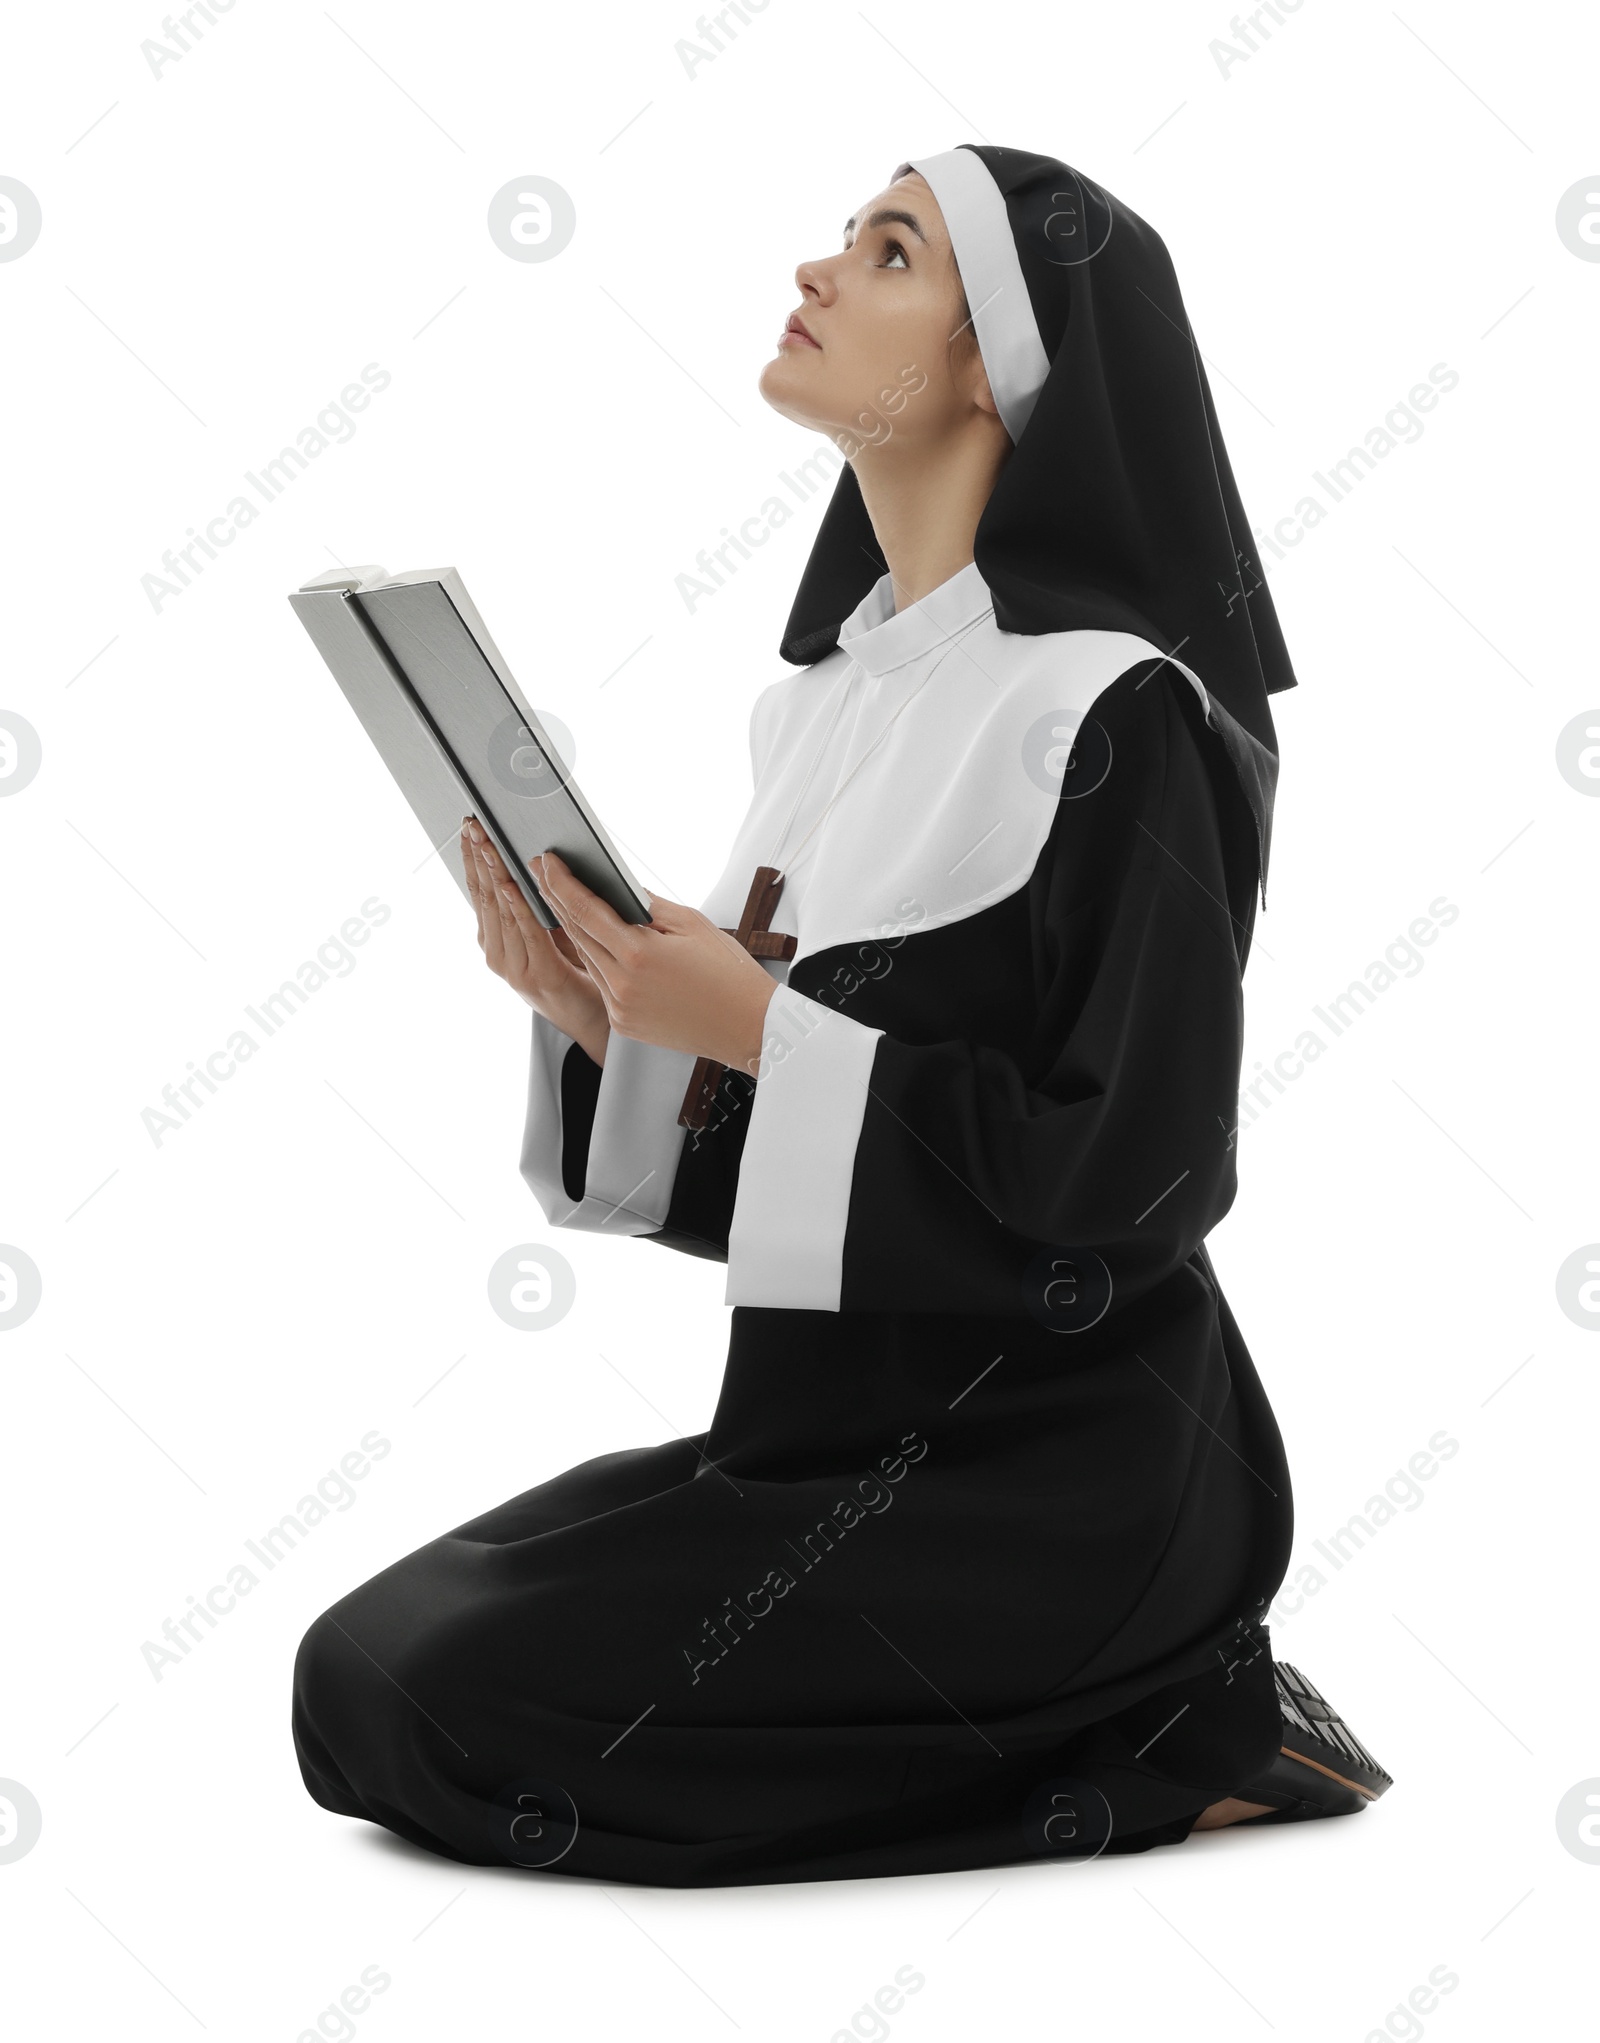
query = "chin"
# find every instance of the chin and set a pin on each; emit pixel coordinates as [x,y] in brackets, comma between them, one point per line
[781,383]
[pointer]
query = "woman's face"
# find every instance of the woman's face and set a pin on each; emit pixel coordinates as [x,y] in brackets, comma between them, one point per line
[881,348]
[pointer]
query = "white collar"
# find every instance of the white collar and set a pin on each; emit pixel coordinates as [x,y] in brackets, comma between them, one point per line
[953,800]
[878,637]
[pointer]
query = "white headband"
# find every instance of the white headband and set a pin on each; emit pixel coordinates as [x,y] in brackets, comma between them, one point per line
[986,255]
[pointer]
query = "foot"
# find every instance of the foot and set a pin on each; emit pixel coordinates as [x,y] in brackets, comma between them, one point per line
[1229,1810]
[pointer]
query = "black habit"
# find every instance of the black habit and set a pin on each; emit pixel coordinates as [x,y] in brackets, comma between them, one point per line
[970,1564]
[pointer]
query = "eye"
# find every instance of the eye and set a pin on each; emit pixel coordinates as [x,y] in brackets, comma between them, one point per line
[895,256]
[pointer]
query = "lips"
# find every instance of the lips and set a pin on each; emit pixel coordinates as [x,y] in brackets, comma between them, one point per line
[795,334]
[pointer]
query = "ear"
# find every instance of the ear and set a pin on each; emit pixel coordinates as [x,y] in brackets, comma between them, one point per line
[974,379]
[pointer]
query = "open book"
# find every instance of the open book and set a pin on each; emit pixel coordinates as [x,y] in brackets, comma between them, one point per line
[417,665]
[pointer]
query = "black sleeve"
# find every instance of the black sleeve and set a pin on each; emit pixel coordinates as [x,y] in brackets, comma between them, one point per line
[580,1093]
[880,1172]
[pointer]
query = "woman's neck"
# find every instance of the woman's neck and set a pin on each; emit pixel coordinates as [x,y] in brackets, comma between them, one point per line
[925,504]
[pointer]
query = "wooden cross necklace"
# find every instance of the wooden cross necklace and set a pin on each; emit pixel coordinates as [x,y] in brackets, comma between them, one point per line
[761,940]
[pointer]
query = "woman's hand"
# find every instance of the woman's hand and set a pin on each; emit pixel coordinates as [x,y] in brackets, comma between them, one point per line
[541,964]
[678,980]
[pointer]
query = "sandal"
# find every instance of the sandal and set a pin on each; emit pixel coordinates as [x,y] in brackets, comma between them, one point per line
[1321,1769]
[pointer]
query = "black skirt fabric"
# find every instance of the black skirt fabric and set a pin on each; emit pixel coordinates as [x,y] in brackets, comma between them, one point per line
[956,1576]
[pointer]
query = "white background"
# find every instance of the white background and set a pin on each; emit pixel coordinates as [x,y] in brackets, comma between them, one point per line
[224,1315]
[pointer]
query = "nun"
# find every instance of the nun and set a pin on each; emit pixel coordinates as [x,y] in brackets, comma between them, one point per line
[971,1565]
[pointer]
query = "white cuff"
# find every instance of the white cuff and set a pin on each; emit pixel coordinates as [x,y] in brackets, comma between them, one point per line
[786,1240]
[634,1145]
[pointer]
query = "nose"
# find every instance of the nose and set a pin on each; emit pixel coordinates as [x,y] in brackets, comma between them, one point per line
[817,282]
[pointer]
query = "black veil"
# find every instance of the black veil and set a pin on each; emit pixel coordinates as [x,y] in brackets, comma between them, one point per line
[1116,509]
